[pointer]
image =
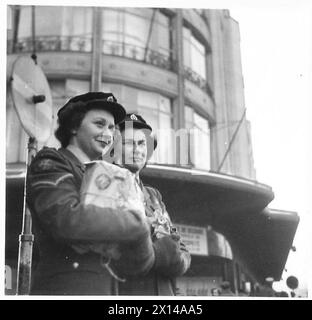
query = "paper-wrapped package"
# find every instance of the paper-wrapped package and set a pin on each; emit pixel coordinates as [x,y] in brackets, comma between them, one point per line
[105,185]
[109,186]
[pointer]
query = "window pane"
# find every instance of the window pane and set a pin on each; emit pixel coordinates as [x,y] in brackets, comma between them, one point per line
[148,99]
[57,28]
[66,21]
[136,30]
[164,105]
[198,57]
[161,40]
[162,19]
[126,33]
[194,53]
[199,147]
[201,142]
[189,124]
[24,27]
[140,12]
[111,22]
[187,47]
[160,37]
[77,21]
[201,123]
[156,110]
[75,87]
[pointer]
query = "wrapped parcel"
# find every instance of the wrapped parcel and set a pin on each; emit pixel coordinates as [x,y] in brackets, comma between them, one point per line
[113,190]
[109,186]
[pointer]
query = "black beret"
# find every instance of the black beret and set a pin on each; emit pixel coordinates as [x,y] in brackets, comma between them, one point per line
[139,123]
[91,100]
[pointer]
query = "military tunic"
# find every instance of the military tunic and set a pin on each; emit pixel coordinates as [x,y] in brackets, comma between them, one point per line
[61,225]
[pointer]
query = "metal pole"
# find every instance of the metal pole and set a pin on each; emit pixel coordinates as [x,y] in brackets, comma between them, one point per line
[231,142]
[26,238]
[149,34]
[179,101]
[33,33]
[96,72]
[16,21]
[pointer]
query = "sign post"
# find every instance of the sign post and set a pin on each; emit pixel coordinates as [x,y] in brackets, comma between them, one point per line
[26,238]
[33,103]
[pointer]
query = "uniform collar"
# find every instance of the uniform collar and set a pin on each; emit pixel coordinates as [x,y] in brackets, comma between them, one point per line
[70,155]
[78,153]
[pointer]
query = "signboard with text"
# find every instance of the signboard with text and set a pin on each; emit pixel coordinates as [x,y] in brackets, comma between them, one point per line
[197,286]
[195,238]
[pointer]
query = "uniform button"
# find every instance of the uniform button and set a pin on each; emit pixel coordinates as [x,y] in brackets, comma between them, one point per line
[75,265]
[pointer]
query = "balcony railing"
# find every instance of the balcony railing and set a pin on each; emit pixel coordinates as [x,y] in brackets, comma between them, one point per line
[126,50]
[84,44]
[197,79]
[53,43]
[114,48]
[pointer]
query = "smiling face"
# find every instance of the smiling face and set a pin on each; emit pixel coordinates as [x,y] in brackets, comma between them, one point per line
[134,149]
[95,133]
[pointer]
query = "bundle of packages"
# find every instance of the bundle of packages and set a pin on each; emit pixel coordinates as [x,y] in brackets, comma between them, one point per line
[110,188]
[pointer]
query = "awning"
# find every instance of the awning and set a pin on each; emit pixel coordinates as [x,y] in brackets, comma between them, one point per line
[260,237]
[205,198]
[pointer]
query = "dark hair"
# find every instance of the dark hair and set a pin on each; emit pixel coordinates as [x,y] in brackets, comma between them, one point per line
[70,121]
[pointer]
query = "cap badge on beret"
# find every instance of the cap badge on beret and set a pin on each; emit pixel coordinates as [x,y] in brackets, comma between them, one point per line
[133,117]
[110,98]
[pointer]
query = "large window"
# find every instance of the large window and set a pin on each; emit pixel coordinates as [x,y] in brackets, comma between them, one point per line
[194,55]
[156,110]
[56,28]
[199,142]
[141,34]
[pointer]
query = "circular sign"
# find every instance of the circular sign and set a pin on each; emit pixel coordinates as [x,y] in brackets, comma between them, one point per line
[292,282]
[32,98]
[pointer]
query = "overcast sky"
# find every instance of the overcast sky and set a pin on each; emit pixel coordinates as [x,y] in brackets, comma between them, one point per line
[276,56]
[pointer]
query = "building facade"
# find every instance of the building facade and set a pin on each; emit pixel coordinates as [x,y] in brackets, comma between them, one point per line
[180,69]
